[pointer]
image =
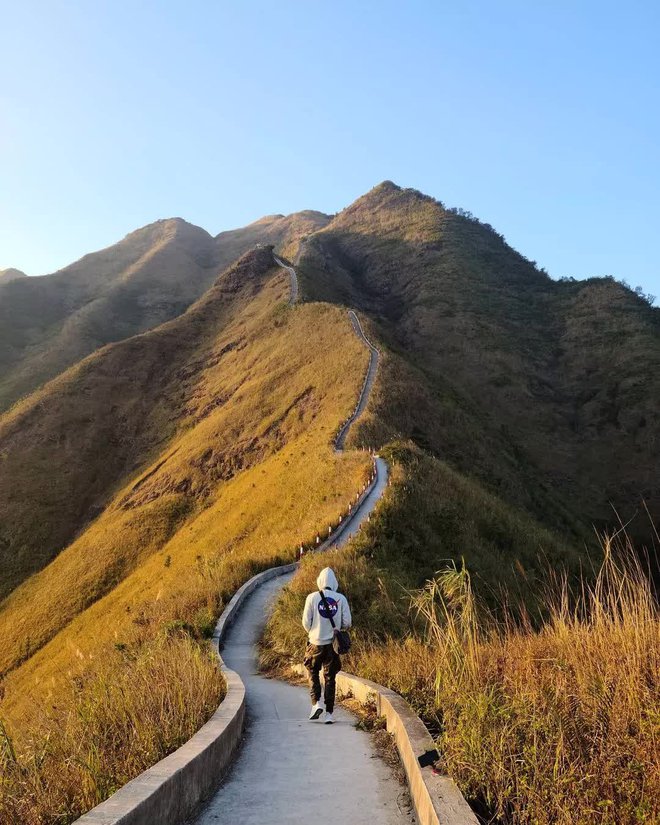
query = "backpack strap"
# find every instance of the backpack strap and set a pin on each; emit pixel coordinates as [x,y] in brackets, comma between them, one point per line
[327,607]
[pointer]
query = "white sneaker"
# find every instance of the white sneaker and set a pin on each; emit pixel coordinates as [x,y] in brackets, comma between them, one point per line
[328,718]
[316,711]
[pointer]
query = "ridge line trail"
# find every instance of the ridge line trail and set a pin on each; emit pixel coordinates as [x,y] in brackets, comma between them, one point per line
[294,279]
[368,381]
[288,768]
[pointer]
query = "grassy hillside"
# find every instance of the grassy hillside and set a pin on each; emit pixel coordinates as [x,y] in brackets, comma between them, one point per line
[543,390]
[431,517]
[154,274]
[51,322]
[514,412]
[141,486]
[284,232]
[66,447]
[541,723]
[535,681]
[48,323]
[245,394]
[197,402]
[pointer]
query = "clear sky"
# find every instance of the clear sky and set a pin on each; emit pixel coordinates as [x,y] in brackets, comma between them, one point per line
[541,118]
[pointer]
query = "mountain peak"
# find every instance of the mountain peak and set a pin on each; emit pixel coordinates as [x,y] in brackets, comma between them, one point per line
[176,224]
[166,229]
[267,219]
[388,193]
[390,208]
[386,186]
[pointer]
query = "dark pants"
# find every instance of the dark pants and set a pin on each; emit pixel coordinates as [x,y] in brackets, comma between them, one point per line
[317,657]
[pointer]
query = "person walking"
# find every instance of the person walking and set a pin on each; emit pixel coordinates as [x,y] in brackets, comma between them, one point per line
[322,608]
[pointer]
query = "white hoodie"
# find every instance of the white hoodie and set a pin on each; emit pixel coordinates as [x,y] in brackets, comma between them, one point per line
[315,619]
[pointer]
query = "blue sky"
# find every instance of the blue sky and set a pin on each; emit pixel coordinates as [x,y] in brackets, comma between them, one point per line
[543,119]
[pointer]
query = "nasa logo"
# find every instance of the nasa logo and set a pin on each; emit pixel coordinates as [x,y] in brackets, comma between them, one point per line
[332,604]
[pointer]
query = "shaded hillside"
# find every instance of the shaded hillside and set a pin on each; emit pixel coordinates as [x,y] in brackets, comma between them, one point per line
[545,390]
[51,322]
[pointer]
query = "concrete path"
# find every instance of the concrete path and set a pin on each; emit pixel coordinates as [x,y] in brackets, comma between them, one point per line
[367,506]
[368,381]
[294,279]
[291,771]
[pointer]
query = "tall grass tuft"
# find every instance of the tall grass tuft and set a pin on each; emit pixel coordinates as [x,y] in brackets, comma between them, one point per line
[555,724]
[138,706]
[449,610]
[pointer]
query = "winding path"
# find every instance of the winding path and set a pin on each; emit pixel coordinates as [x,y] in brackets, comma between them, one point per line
[293,297]
[366,387]
[291,771]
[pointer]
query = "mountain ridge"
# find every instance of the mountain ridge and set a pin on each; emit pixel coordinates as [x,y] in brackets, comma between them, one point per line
[450,296]
[152,275]
[177,428]
[518,352]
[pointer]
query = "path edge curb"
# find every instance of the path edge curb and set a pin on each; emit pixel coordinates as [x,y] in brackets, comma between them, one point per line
[437,800]
[171,790]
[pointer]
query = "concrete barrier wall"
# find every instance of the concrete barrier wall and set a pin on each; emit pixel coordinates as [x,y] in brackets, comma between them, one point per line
[436,799]
[170,791]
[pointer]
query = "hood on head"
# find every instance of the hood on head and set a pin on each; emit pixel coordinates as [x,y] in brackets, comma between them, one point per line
[327,579]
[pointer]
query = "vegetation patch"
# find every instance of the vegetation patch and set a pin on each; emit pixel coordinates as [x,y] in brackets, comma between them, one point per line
[542,717]
[106,726]
[214,499]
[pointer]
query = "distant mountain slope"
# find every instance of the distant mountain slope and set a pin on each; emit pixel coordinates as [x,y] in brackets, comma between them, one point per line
[282,231]
[152,275]
[10,274]
[546,390]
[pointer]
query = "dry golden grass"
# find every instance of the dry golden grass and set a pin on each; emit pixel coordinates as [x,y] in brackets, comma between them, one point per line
[107,727]
[281,401]
[543,722]
[234,489]
[68,447]
[555,726]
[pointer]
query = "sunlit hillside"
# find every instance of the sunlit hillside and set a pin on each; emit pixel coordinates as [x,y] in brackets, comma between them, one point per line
[10,274]
[545,718]
[239,469]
